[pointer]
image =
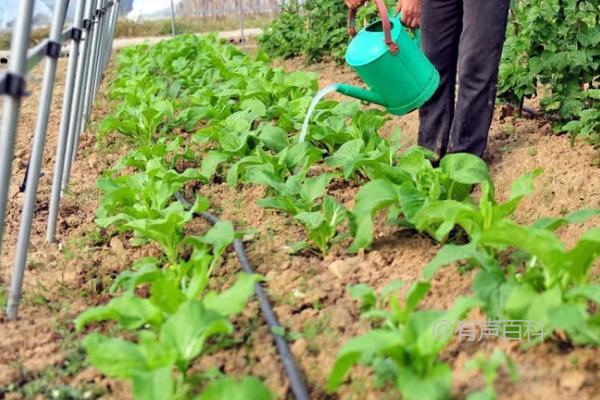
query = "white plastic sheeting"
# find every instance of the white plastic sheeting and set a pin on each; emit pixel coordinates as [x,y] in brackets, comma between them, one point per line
[149,9]
[141,9]
[42,12]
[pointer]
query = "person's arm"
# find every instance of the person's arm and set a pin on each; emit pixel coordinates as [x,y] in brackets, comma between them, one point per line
[411,12]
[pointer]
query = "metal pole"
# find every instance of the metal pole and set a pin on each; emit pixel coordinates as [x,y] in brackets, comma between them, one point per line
[37,151]
[12,102]
[241,6]
[67,106]
[111,34]
[97,71]
[85,92]
[78,119]
[112,5]
[92,65]
[173,18]
[104,17]
[95,65]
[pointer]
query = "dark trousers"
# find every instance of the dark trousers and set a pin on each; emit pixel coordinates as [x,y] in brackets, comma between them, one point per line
[466,35]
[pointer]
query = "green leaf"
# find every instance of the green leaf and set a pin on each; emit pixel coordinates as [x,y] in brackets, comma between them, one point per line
[143,270]
[372,197]
[312,220]
[301,79]
[153,385]
[228,388]
[448,213]
[527,304]
[435,385]
[577,217]
[491,288]
[451,253]
[254,108]
[313,188]
[417,292]
[233,300]
[114,357]
[575,320]
[273,137]
[372,343]
[538,242]
[210,163]
[364,293]
[520,188]
[346,156]
[129,311]
[465,168]
[580,258]
[166,294]
[220,236]
[590,292]
[423,324]
[188,329]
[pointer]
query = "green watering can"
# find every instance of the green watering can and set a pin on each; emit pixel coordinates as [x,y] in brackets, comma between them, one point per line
[391,63]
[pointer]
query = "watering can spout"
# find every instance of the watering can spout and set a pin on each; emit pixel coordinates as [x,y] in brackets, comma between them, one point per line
[361,94]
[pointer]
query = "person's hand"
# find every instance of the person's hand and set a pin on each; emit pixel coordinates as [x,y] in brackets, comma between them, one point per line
[354,4]
[411,12]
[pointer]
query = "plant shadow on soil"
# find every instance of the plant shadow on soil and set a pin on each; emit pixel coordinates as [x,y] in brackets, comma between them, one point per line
[308,291]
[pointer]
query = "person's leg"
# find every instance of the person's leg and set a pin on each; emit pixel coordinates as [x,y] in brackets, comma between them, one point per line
[440,31]
[484,28]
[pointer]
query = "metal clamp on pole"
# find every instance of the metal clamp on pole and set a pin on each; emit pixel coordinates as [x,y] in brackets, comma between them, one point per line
[12,85]
[53,49]
[87,23]
[76,34]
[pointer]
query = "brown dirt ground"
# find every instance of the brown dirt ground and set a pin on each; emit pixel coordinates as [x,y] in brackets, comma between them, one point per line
[308,292]
[61,279]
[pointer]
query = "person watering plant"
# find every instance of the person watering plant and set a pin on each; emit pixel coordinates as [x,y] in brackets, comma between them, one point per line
[464,36]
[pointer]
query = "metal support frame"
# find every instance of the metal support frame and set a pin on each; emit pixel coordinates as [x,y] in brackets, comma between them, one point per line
[12,101]
[241,9]
[37,150]
[102,28]
[70,101]
[90,49]
[173,18]
[87,89]
[111,36]
[77,118]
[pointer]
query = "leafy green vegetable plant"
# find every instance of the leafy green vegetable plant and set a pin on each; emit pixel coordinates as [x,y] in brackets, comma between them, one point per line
[322,226]
[413,184]
[490,367]
[405,339]
[176,335]
[553,44]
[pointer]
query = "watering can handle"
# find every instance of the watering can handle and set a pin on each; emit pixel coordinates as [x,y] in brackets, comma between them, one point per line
[385,20]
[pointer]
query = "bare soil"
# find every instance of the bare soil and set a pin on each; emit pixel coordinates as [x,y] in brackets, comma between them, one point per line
[308,292]
[37,351]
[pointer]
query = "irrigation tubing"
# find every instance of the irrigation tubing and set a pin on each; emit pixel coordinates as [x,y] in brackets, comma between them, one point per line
[289,363]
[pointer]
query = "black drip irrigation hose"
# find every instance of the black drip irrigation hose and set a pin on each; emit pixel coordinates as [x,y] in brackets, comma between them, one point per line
[289,363]
[531,111]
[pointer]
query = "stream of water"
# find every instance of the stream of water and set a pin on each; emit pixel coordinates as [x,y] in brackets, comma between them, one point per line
[320,94]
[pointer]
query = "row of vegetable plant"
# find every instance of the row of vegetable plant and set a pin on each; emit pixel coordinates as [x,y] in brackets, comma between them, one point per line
[554,44]
[165,313]
[243,116]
